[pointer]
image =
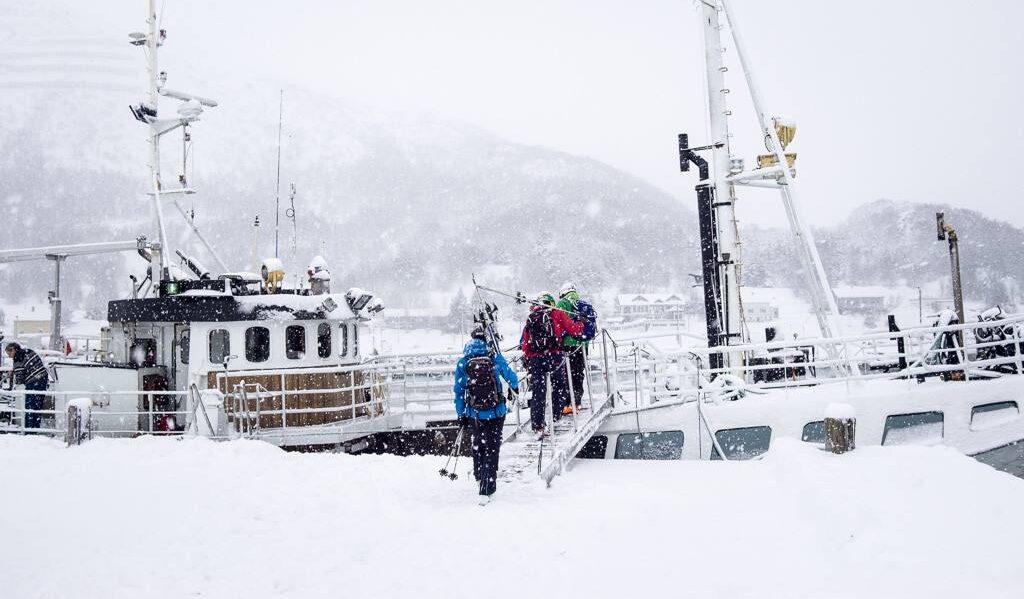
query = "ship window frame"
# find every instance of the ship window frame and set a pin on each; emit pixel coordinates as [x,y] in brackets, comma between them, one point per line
[291,352]
[729,445]
[662,445]
[891,425]
[596,448]
[252,356]
[344,340]
[324,341]
[184,346]
[226,349]
[814,426]
[355,341]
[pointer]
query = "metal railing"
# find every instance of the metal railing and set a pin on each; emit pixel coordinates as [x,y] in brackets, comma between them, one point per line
[633,375]
[643,375]
[157,412]
[284,403]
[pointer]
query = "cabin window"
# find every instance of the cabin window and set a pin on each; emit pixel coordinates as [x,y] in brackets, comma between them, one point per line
[295,342]
[220,345]
[594,449]
[911,429]
[742,443]
[323,340]
[344,340]
[659,445]
[143,352]
[993,414]
[184,344]
[814,432]
[257,344]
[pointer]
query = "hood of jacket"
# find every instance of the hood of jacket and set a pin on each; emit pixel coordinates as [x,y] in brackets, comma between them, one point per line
[474,348]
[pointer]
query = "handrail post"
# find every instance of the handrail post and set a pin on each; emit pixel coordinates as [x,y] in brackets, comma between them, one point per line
[284,403]
[260,392]
[572,392]
[1016,349]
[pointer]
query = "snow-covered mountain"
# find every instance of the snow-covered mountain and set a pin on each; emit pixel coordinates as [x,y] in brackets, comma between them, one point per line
[890,242]
[401,203]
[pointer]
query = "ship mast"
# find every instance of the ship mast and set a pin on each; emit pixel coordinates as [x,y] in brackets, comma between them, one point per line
[723,303]
[147,113]
[728,256]
[153,42]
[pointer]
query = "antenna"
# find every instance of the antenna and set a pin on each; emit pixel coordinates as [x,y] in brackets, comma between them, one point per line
[277,196]
[290,213]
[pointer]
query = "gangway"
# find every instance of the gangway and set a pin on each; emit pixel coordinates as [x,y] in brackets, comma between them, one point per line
[523,457]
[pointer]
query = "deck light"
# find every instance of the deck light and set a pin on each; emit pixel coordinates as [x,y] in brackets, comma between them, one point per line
[357,298]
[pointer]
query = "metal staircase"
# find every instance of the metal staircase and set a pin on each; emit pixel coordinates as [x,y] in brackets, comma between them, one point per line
[523,457]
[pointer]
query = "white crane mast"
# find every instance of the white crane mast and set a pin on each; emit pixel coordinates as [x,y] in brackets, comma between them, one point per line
[725,215]
[822,298]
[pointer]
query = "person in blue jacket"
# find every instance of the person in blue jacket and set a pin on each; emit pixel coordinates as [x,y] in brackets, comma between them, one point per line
[480,406]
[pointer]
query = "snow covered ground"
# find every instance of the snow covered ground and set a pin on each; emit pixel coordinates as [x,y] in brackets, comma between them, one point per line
[193,518]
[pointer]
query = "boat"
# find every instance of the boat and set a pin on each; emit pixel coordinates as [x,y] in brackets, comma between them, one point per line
[238,355]
[224,355]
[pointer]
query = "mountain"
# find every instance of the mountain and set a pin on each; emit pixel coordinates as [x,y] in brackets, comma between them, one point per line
[402,204]
[888,242]
[399,203]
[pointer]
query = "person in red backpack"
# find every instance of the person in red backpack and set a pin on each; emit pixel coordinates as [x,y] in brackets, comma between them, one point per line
[541,343]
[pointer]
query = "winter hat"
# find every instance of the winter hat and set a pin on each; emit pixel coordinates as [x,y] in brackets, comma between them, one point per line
[567,288]
[478,333]
[546,299]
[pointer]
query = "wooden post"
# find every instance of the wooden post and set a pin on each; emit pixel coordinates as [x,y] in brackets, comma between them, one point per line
[840,428]
[73,435]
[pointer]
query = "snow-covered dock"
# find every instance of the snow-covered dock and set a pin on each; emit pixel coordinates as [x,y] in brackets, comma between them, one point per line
[159,517]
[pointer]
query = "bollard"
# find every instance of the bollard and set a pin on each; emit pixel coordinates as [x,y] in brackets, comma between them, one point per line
[78,414]
[73,436]
[840,428]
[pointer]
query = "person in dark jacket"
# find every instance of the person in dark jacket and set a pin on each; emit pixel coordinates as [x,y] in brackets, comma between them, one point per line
[29,370]
[485,424]
[547,358]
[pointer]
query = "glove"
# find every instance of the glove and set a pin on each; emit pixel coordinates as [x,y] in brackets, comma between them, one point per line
[463,421]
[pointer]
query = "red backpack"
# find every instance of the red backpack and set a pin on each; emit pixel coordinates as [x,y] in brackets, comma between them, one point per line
[542,331]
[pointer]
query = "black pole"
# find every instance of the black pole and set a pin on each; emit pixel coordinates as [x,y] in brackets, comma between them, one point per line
[900,343]
[709,248]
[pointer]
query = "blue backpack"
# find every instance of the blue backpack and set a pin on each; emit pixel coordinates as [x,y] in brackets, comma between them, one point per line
[586,313]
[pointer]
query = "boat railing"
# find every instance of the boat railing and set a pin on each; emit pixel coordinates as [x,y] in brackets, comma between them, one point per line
[298,399]
[645,375]
[160,412]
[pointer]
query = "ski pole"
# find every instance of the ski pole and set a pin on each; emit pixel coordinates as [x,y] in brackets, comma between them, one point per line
[455,447]
[455,468]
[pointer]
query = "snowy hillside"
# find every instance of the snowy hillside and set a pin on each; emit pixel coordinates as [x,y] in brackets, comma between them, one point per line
[165,518]
[401,203]
[894,243]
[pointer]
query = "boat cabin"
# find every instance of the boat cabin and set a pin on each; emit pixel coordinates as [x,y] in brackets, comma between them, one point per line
[281,360]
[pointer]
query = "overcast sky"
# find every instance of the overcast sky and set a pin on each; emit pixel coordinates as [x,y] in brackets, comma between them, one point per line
[902,99]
